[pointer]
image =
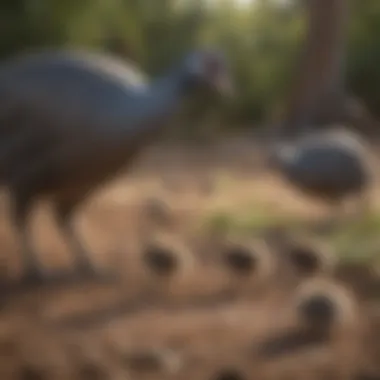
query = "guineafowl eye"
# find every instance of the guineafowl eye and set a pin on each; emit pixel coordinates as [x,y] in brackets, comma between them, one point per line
[161,260]
[228,374]
[240,260]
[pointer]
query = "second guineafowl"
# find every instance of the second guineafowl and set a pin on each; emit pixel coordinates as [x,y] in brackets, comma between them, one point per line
[70,120]
[331,165]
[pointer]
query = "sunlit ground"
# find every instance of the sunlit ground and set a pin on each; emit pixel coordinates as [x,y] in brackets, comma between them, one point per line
[242,198]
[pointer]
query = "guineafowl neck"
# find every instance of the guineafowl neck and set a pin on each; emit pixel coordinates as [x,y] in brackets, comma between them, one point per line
[283,159]
[163,101]
[145,116]
[169,91]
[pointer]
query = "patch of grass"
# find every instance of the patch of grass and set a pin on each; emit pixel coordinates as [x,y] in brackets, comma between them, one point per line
[353,240]
[245,223]
[358,239]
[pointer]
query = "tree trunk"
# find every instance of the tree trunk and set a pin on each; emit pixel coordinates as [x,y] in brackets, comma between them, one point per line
[318,95]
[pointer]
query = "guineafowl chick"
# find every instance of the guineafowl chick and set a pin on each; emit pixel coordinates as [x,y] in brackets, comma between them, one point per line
[330,319]
[324,311]
[161,260]
[308,257]
[168,263]
[325,306]
[241,260]
[248,263]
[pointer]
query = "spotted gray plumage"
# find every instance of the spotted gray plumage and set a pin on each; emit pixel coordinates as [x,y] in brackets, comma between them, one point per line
[331,165]
[71,120]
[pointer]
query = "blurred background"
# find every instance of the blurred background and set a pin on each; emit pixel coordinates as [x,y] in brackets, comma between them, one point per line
[262,38]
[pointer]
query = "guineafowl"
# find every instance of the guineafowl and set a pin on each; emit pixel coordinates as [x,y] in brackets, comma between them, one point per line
[248,258]
[71,120]
[324,305]
[324,310]
[331,165]
[249,266]
[161,260]
[307,257]
[168,264]
[240,259]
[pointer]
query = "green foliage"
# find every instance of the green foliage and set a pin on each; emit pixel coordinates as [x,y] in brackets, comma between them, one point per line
[364,52]
[261,37]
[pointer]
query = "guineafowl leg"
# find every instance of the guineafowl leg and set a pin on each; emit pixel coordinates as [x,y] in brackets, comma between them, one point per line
[64,213]
[33,271]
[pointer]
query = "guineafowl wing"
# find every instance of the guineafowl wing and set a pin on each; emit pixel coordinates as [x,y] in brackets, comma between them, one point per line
[331,170]
[58,109]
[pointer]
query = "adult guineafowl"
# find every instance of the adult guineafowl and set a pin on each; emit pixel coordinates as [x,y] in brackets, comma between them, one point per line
[330,165]
[70,120]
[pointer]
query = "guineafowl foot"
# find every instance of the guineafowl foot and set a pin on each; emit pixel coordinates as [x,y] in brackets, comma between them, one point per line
[29,281]
[38,278]
[34,278]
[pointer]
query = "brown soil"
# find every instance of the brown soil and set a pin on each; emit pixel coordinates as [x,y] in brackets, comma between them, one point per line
[202,322]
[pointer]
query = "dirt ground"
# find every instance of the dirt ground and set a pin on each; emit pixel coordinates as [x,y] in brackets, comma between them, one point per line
[204,319]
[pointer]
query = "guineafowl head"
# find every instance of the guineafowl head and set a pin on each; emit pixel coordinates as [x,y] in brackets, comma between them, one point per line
[208,69]
[281,150]
[282,156]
